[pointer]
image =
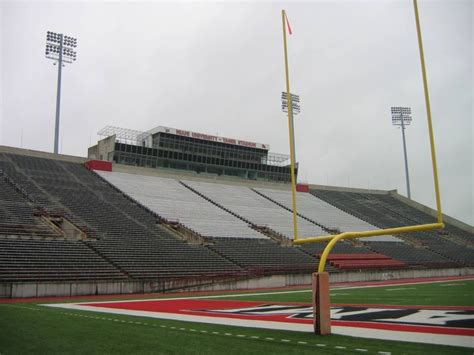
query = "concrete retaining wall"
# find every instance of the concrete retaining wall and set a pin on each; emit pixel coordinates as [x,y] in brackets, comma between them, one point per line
[45,289]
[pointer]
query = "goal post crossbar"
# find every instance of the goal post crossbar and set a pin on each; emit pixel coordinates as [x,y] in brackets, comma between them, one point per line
[333,239]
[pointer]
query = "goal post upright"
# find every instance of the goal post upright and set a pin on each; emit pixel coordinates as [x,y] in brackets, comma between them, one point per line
[284,20]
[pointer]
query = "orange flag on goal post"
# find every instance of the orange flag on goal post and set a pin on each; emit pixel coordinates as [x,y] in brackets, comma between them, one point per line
[288,24]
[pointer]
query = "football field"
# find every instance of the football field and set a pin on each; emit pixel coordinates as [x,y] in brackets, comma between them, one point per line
[417,315]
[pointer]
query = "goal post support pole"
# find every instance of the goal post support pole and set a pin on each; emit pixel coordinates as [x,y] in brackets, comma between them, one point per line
[321,303]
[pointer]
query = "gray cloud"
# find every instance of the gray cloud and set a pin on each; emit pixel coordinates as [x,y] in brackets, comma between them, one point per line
[218,68]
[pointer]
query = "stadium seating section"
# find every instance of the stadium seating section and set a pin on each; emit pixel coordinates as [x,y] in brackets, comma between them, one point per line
[450,247]
[366,261]
[126,224]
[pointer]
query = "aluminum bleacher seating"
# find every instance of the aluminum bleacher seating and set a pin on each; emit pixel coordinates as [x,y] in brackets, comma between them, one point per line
[174,202]
[128,241]
[322,212]
[52,260]
[364,261]
[263,255]
[412,256]
[386,211]
[128,237]
[17,214]
[256,209]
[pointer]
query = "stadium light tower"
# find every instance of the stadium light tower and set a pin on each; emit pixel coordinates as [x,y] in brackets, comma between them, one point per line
[295,103]
[401,117]
[59,48]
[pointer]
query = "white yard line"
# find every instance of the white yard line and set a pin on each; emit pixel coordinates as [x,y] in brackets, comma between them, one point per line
[439,339]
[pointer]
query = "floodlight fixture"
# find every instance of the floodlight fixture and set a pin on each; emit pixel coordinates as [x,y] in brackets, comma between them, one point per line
[61,49]
[295,103]
[401,117]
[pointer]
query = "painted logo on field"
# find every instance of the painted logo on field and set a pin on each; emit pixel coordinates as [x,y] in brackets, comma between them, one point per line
[432,320]
[429,317]
[433,325]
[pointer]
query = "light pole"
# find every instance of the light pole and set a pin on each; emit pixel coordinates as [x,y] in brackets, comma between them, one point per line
[59,48]
[295,105]
[401,117]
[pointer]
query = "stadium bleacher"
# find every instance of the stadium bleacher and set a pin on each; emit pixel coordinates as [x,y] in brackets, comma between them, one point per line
[255,209]
[174,202]
[313,208]
[52,260]
[386,211]
[263,255]
[128,236]
[124,218]
[364,261]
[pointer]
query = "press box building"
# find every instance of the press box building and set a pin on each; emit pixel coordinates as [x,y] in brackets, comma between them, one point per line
[165,147]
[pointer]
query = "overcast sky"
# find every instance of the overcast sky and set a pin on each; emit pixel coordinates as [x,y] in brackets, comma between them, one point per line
[217,68]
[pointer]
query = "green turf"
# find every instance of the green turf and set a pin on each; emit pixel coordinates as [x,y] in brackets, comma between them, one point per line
[33,329]
[27,328]
[449,293]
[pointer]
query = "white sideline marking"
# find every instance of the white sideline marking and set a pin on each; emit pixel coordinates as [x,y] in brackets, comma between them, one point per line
[440,339]
[448,285]
[398,284]
[202,331]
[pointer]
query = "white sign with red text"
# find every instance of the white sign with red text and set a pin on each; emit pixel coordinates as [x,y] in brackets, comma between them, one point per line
[208,137]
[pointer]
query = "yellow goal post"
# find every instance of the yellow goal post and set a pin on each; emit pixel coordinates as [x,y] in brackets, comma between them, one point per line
[333,239]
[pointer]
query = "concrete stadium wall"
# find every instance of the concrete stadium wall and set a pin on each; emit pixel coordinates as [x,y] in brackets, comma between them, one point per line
[354,276]
[68,289]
